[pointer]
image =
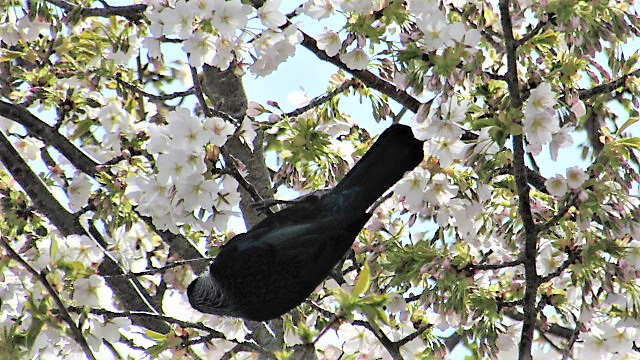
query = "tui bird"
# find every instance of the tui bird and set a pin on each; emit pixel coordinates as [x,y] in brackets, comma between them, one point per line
[272,268]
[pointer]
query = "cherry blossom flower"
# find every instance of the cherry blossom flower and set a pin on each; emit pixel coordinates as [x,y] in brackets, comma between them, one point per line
[330,43]
[201,48]
[270,16]
[576,177]
[541,100]
[178,21]
[186,130]
[539,126]
[247,132]
[83,249]
[556,185]
[319,9]
[447,150]
[439,191]
[29,147]
[196,192]
[92,292]
[230,16]
[412,187]
[79,191]
[356,59]
[218,130]
[561,139]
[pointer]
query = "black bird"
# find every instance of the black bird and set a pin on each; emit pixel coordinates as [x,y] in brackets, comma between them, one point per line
[272,268]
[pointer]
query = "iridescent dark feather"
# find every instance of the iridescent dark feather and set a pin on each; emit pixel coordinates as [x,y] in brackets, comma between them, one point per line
[272,268]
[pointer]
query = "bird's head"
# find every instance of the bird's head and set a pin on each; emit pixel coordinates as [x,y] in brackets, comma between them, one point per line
[206,296]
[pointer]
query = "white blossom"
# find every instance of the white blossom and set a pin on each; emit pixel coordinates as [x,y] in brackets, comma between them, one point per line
[576,177]
[92,292]
[556,185]
[356,59]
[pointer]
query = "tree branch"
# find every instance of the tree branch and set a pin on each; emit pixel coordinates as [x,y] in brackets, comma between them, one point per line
[49,135]
[610,86]
[42,277]
[130,12]
[522,184]
[322,99]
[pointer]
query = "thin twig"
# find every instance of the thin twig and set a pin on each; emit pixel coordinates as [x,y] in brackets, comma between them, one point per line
[161,97]
[198,90]
[130,274]
[322,99]
[42,276]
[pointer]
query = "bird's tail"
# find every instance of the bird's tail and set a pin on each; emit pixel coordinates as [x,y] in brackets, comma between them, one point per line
[395,152]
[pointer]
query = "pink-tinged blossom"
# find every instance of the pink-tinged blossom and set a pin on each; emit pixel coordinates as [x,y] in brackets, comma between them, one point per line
[356,59]
[541,100]
[576,177]
[92,292]
[439,191]
[247,132]
[201,48]
[270,16]
[29,147]
[330,42]
[79,191]
[579,109]
[218,130]
[561,139]
[556,185]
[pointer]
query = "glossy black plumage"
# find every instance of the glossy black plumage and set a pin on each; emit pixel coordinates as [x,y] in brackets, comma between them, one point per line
[267,271]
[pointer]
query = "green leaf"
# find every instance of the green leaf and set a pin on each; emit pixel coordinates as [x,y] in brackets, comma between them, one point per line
[363,281]
[628,123]
[633,142]
[155,335]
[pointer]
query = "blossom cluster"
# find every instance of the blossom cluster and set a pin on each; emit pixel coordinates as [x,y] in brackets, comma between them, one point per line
[179,191]
[213,32]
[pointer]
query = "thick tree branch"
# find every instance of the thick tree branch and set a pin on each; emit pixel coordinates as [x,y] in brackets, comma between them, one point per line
[522,184]
[49,135]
